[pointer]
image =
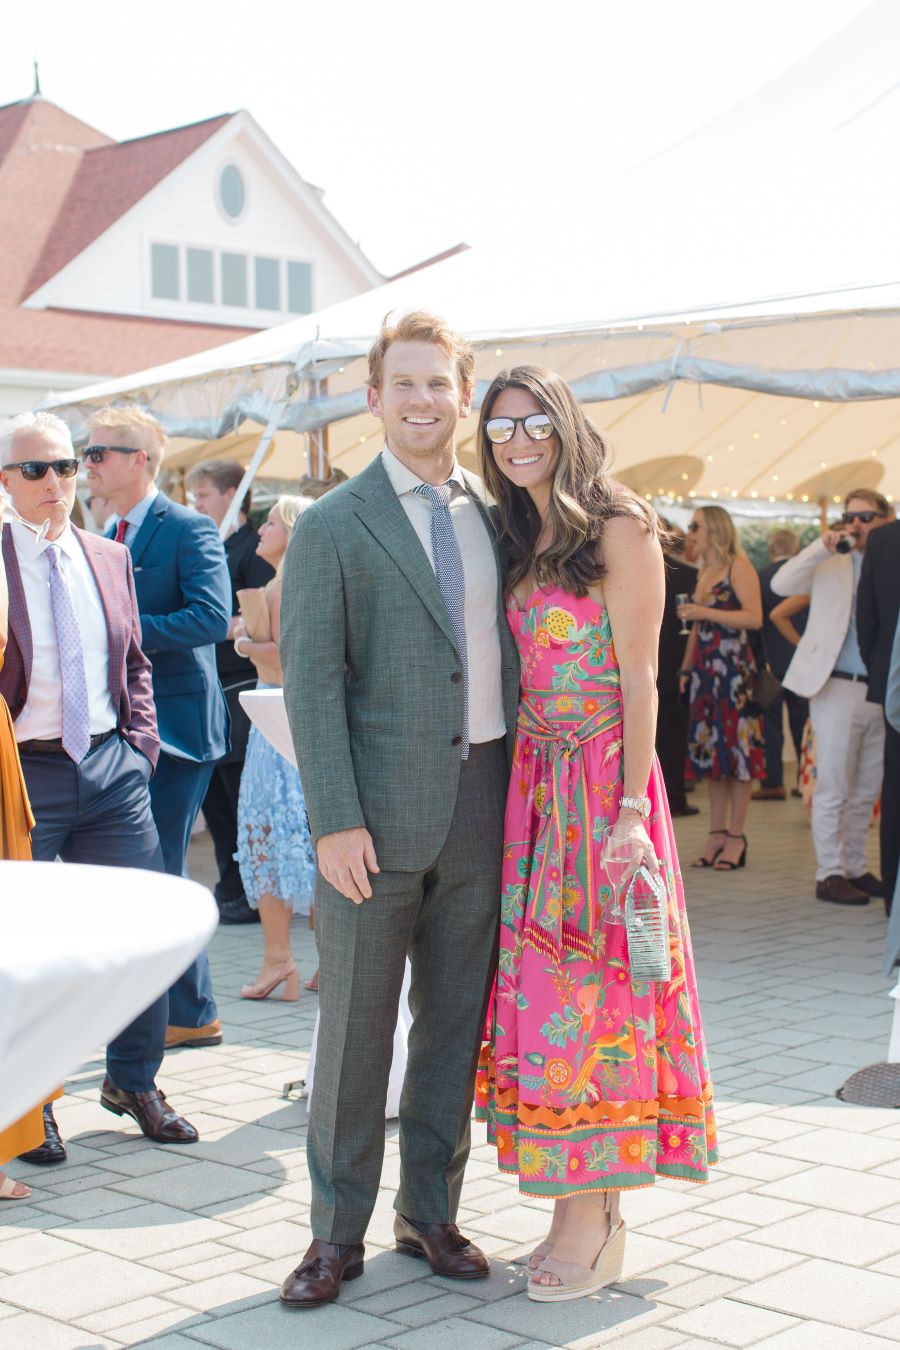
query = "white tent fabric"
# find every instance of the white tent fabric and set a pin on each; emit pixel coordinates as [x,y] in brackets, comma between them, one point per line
[755,261]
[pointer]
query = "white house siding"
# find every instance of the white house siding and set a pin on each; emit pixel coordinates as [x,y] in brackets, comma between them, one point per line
[112,274]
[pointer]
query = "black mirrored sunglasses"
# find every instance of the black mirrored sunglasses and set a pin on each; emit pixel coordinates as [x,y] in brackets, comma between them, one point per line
[33,469]
[537,426]
[95,454]
[864,517]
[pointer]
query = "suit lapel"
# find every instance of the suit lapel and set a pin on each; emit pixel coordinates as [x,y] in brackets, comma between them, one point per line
[19,626]
[98,561]
[151,524]
[379,509]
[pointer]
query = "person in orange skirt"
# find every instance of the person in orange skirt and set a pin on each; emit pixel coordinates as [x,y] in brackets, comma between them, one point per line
[16,821]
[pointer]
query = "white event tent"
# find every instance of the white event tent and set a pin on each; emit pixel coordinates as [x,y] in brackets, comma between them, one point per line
[729,310]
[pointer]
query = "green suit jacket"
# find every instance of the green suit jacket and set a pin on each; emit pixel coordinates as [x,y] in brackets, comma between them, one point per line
[369,659]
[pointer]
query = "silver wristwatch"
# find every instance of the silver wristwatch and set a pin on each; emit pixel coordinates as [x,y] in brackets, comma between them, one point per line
[639,804]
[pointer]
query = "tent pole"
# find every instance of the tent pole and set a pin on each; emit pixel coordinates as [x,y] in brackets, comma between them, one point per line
[251,470]
[319,465]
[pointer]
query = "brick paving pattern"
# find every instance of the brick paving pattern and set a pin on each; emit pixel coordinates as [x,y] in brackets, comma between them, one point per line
[794,1245]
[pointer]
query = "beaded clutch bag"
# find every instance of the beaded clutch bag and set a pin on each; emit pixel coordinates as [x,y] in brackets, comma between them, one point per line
[647,927]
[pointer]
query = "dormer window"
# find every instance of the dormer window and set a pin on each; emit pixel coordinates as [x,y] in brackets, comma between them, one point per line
[231,192]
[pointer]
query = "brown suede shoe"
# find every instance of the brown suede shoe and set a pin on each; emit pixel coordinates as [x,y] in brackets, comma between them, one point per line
[156,1119]
[839,891]
[210,1034]
[443,1246]
[318,1277]
[764,794]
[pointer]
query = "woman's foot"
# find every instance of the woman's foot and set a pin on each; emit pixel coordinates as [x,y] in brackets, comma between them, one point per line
[272,974]
[734,853]
[546,1247]
[312,984]
[581,1235]
[13,1190]
[715,843]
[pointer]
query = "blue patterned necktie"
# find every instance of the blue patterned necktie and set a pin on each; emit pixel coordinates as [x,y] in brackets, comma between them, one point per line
[76,724]
[451,580]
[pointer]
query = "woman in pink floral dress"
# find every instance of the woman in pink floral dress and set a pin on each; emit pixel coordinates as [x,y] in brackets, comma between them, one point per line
[593,1082]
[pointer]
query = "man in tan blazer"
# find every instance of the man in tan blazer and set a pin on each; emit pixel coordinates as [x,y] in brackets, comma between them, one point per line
[828,669]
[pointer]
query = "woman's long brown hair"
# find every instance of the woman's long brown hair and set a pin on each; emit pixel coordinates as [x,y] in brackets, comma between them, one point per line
[583,497]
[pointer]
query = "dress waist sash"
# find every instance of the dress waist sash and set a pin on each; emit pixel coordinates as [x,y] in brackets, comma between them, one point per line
[547,931]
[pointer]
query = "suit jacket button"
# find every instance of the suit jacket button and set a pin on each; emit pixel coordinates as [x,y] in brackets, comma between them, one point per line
[456,677]
[457,740]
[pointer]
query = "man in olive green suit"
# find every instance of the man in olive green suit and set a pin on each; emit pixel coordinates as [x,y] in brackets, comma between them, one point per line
[401,682]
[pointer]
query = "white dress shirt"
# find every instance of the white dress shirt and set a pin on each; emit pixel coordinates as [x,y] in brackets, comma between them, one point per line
[41,718]
[486,718]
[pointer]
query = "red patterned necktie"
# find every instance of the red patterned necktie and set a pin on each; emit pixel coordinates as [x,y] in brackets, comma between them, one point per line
[121,530]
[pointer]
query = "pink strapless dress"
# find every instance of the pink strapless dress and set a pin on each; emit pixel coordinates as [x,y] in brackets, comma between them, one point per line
[590,1080]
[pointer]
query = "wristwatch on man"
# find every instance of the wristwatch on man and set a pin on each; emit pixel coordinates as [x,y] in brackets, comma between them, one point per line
[639,804]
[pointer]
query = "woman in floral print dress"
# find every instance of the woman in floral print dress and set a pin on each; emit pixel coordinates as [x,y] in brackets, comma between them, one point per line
[593,1082]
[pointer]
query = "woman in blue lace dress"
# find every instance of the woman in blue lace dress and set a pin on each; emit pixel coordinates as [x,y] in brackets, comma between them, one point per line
[274,851]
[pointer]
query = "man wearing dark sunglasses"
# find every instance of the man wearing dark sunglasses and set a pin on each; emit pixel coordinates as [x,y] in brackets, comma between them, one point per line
[78,687]
[828,669]
[184,597]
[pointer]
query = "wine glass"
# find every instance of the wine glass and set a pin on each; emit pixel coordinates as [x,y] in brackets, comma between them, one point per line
[683,599]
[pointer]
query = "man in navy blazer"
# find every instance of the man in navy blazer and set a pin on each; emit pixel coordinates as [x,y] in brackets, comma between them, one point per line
[184,597]
[78,688]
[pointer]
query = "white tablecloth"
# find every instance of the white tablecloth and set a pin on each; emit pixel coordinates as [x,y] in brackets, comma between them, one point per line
[84,950]
[266,710]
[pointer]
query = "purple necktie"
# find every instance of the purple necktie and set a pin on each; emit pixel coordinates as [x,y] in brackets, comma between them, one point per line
[76,726]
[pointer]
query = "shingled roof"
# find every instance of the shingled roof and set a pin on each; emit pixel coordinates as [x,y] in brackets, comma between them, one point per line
[63,183]
[41,151]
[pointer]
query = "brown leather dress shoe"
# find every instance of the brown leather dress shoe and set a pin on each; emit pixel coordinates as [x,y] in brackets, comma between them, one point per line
[764,794]
[869,885]
[443,1246]
[319,1276]
[839,891]
[157,1121]
[52,1150]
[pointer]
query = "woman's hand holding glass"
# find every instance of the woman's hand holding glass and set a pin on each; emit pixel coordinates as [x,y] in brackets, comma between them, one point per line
[628,846]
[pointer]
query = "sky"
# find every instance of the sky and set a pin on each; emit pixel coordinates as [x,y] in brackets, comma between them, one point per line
[426,125]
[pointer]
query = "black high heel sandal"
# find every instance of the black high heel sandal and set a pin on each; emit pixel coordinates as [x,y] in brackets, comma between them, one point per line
[725,865]
[709,862]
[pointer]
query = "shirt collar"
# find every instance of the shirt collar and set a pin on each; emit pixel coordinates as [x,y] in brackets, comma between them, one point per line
[403,480]
[27,541]
[138,513]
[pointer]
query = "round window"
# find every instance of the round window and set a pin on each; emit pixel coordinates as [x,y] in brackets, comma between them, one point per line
[231,191]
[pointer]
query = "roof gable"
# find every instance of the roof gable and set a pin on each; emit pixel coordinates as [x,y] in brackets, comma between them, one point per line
[41,148]
[109,180]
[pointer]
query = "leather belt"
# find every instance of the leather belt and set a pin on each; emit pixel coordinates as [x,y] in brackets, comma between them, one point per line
[56,747]
[846,675]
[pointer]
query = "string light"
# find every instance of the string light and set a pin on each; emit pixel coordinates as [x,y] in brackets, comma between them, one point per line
[804,498]
[774,477]
[822,464]
[714,494]
[790,496]
[499,351]
[692,494]
[816,403]
[754,493]
[837,499]
[782,421]
[733,493]
[771,499]
[756,435]
[731,447]
[709,459]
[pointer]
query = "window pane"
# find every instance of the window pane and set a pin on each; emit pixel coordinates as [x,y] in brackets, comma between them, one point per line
[268,283]
[164,271]
[234,279]
[200,275]
[299,280]
[231,191]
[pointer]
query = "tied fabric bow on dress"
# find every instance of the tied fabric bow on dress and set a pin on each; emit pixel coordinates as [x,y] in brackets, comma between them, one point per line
[567,777]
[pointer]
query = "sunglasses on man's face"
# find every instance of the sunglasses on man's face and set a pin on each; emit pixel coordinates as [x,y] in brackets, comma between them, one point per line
[864,517]
[96,454]
[537,426]
[34,469]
